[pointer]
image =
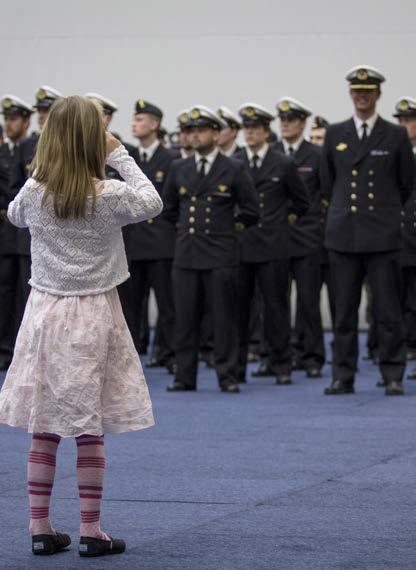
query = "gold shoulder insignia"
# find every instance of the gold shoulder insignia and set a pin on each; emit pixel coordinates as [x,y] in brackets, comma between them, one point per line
[341,146]
[222,188]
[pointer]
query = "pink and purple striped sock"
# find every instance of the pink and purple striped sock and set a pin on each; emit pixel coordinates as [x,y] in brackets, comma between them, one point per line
[90,472]
[40,474]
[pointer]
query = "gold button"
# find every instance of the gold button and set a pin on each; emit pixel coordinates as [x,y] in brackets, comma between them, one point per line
[209,199]
[193,198]
[261,205]
[370,195]
[192,209]
[191,220]
[150,221]
[371,172]
[414,224]
[371,208]
[402,212]
[207,231]
[353,209]
[207,210]
[353,196]
[191,230]
[207,220]
[401,224]
[259,225]
[261,194]
[353,185]
[371,184]
[354,172]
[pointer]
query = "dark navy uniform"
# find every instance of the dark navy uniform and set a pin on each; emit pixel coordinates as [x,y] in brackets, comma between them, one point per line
[367,182]
[265,249]
[305,243]
[207,254]
[149,248]
[14,263]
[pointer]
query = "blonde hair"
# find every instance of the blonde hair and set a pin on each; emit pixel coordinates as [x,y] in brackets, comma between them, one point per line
[71,152]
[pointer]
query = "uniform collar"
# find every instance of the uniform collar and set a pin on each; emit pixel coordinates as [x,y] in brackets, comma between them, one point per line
[150,150]
[294,145]
[370,124]
[209,157]
[260,153]
[231,150]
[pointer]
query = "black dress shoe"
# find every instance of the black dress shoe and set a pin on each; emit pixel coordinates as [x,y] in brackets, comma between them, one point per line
[313,373]
[90,546]
[381,383]
[412,375]
[338,387]
[283,380]
[180,387]
[49,543]
[394,389]
[230,389]
[263,370]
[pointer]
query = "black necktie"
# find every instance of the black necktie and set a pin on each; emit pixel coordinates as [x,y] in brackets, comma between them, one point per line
[291,151]
[201,170]
[365,136]
[255,162]
[144,157]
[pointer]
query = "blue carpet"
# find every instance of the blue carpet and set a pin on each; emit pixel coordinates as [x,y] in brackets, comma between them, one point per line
[275,478]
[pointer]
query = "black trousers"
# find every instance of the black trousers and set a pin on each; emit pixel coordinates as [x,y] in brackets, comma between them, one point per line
[308,340]
[327,278]
[14,292]
[191,287]
[272,278]
[409,305]
[133,293]
[384,276]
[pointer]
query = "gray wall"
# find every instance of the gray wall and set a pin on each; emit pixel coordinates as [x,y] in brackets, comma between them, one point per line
[180,52]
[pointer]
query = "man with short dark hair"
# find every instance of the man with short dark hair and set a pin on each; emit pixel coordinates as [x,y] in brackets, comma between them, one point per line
[228,136]
[367,174]
[265,245]
[201,196]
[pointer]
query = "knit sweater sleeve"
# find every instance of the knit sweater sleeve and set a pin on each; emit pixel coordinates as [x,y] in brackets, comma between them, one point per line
[138,200]
[16,210]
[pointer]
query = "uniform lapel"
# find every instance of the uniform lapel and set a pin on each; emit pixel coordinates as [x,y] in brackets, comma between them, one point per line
[301,154]
[372,140]
[216,169]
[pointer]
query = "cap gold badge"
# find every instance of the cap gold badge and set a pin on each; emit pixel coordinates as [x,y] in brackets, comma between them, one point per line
[184,118]
[362,74]
[222,187]
[249,111]
[220,112]
[41,94]
[404,105]
[7,103]
[182,190]
[284,106]
[141,103]
[341,146]
[195,114]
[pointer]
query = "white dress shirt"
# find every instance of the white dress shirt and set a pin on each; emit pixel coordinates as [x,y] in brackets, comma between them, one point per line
[150,150]
[260,153]
[295,145]
[369,122]
[231,150]
[209,160]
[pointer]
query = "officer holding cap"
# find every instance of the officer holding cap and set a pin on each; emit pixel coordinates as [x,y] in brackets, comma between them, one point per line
[265,245]
[405,113]
[367,175]
[201,196]
[305,239]
[150,245]
[228,136]
[17,115]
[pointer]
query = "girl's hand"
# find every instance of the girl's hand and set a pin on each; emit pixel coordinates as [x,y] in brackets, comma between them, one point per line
[112,142]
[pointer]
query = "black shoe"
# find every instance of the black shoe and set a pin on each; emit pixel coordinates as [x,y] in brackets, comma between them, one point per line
[49,543]
[230,388]
[263,370]
[313,373]
[394,389]
[90,546]
[283,380]
[338,387]
[381,383]
[154,363]
[412,375]
[180,387]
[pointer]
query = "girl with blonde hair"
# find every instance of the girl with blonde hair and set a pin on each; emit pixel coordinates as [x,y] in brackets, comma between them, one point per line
[75,371]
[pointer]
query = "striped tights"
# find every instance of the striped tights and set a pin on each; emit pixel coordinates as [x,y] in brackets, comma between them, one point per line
[90,474]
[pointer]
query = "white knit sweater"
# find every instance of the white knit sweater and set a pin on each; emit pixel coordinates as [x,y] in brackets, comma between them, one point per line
[85,256]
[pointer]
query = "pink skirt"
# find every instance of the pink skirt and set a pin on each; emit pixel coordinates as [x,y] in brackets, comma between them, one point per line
[75,369]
